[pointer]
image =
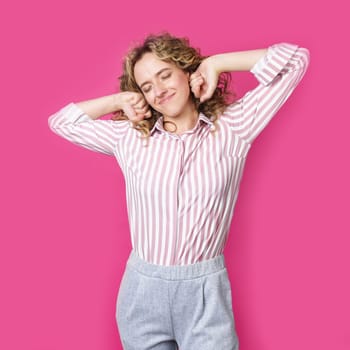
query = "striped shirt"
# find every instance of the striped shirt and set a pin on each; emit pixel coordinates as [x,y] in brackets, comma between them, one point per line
[181,190]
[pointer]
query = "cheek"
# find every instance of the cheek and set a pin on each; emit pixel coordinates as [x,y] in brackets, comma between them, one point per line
[186,86]
[186,90]
[182,84]
[148,98]
[150,101]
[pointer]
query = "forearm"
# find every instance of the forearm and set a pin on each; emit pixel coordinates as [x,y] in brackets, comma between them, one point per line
[237,61]
[100,106]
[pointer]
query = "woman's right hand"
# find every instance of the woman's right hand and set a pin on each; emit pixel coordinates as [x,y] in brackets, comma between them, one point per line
[133,105]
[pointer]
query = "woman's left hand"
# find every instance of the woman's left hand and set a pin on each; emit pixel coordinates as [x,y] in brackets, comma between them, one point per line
[204,80]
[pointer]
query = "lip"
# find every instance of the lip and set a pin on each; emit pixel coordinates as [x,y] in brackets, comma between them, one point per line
[166,99]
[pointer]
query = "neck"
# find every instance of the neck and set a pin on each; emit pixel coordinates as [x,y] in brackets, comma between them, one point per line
[187,120]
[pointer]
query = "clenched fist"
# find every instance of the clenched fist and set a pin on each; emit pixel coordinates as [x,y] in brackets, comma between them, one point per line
[133,105]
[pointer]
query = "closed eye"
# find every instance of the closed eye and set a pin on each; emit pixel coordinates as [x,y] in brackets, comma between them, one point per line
[147,89]
[166,76]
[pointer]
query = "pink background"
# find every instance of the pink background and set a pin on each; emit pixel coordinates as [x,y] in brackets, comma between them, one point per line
[64,230]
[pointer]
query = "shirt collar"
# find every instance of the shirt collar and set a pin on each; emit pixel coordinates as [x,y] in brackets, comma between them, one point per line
[201,117]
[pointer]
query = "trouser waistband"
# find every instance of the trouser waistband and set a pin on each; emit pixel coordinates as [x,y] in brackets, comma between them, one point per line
[175,272]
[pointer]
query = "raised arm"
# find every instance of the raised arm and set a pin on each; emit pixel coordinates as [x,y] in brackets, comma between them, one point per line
[133,104]
[77,122]
[279,69]
[204,80]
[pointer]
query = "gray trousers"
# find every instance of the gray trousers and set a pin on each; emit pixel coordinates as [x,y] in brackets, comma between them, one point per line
[186,307]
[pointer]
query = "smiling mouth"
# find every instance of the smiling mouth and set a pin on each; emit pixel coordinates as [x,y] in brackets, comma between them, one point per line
[166,99]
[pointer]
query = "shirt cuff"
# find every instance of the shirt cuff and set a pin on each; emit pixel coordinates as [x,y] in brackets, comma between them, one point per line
[74,114]
[272,63]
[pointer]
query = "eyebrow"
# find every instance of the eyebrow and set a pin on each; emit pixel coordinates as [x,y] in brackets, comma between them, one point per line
[157,74]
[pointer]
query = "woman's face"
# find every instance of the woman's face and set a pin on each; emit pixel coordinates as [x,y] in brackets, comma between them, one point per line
[165,86]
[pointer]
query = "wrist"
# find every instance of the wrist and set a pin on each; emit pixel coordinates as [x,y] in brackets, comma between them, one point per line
[116,101]
[213,63]
[238,60]
[219,63]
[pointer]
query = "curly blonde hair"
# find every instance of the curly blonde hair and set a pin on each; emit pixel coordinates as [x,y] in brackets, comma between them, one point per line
[178,51]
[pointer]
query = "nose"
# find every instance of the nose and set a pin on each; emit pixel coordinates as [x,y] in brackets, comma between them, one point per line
[159,90]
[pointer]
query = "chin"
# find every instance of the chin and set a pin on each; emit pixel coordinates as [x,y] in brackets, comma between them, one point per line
[173,112]
[174,109]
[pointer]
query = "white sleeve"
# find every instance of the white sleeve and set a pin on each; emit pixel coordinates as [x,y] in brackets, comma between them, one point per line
[74,125]
[279,71]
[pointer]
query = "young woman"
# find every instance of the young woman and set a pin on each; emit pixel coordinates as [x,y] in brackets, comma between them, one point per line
[181,145]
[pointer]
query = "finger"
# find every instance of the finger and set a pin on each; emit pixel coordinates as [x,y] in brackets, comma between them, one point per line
[195,78]
[129,111]
[208,93]
[142,104]
[195,75]
[140,110]
[148,114]
[199,80]
[196,88]
[136,98]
